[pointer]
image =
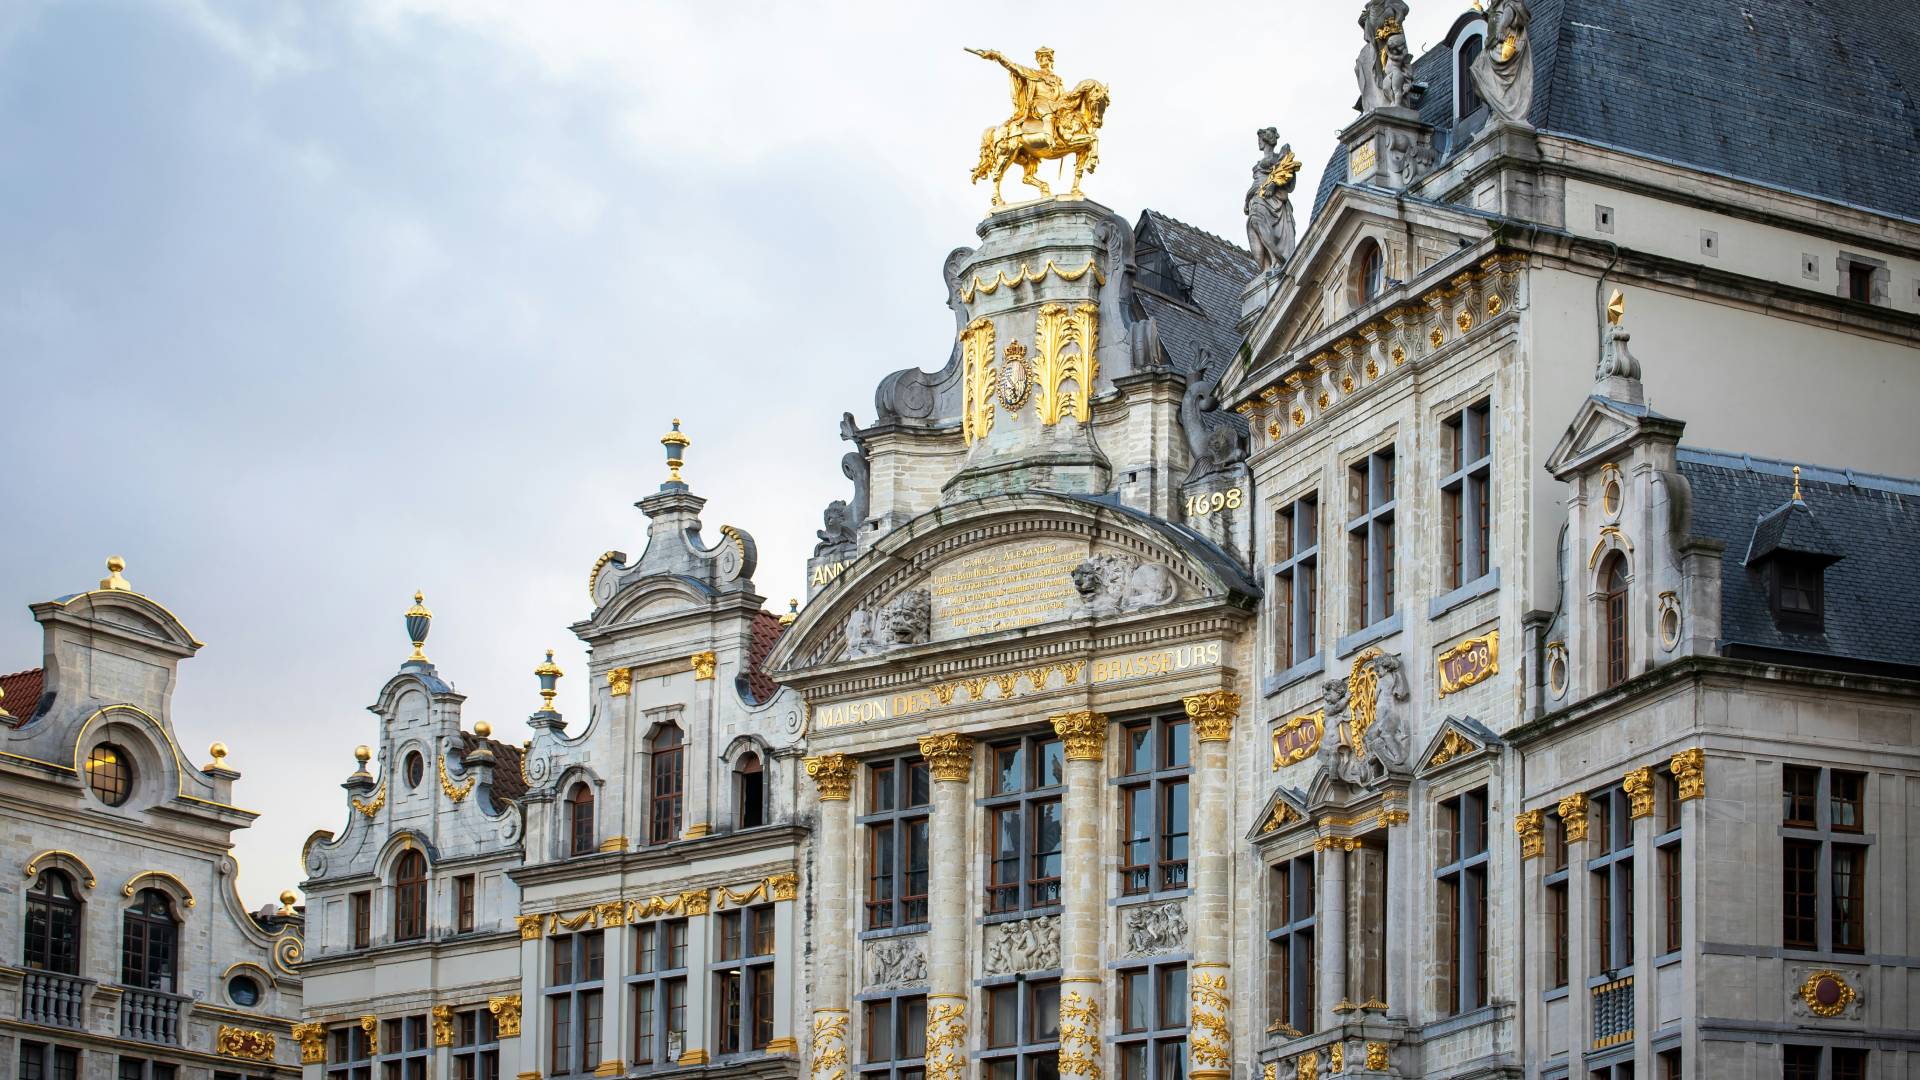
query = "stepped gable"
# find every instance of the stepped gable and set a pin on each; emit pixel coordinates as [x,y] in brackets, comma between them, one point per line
[1872,524]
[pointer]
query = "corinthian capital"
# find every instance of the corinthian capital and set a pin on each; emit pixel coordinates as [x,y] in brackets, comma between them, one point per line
[833,775]
[949,756]
[1084,732]
[1212,714]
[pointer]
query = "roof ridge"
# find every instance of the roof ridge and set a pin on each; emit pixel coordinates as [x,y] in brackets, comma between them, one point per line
[22,671]
[1190,227]
[1823,474]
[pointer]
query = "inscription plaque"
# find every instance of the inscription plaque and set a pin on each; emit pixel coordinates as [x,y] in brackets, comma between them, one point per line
[1005,588]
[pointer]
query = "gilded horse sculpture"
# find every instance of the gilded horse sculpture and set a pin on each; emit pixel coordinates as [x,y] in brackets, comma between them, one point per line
[1048,124]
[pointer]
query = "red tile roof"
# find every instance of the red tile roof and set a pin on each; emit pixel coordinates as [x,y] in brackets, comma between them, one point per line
[23,692]
[508,783]
[766,632]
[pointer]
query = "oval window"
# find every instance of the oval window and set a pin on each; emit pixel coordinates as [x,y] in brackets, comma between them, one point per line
[110,774]
[416,769]
[244,991]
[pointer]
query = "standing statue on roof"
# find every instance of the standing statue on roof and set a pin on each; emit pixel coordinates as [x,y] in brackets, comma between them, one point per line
[1381,22]
[1269,203]
[1503,72]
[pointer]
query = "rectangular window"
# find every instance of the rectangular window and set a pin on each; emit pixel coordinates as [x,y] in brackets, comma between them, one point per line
[349,1054]
[1022,1030]
[1557,933]
[1823,859]
[898,800]
[1610,825]
[1024,824]
[896,1039]
[142,1069]
[1461,891]
[1290,972]
[743,979]
[1152,1043]
[574,993]
[1153,798]
[361,906]
[403,1052]
[658,991]
[1467,448]
[1860,282]
[1296,573]
[476,1045]
[1849,1063]
[1370,541]
[463,888]
[1800,1062]
[42,1061]
[1667,848]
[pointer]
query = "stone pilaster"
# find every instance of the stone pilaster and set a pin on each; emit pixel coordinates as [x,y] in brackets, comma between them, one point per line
[1082,895]
[950,760]
[833,945]
[1331,922]
[1210,1006]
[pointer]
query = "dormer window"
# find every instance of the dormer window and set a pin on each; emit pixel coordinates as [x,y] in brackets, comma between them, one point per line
[1796,590]
[1466,96]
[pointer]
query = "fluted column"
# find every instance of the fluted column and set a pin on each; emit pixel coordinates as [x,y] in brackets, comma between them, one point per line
[950,760]
[1082,894]
[833,939]
[1209,1012]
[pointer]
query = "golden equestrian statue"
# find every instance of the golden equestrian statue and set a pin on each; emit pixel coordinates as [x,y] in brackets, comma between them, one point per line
[1048,123]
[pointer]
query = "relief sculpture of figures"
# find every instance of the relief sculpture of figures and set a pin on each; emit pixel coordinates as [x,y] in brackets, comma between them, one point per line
[1503,72]
[1048,123]
[1382,21]
[1269,203]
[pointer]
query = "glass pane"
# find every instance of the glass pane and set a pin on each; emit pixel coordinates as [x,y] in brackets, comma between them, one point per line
[1133,1000]
[913,1027]
[918,791]
[1175,829]
[1140,748]
[1173,997]
[879,1031]
[1053,763]
[880,793]
[1176,753]
[1003,1016]
[676,944]
[1133,1062]
[1003,1069]
[1044,1018]
[1008,769]
[1173,1059]
[648,955]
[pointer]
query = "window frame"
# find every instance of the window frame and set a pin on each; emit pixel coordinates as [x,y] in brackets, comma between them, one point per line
[1032,891]
[1466,97]
[360,915]
[111,779]
[1669,867]
[357,1061]
[410,897]
[1031,1050]
[1612,893]
[656,982]
[154,963]
[666,783]
[466,901]
[1461,884]
[584,986]
[1292,941]
[1826,1064]
[1296,577]
[1160,1037]
[749,791]
[579,804]
[901,910]
[55,1062]
[749,1031]
[405,1052]
[1826,842]
[475,1053]
[906,1059]
[1616,620]
[1165,875]
[1466,493]
[62,930]
[1372,501]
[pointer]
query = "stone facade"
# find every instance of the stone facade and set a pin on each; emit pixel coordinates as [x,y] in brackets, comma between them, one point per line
[127,952]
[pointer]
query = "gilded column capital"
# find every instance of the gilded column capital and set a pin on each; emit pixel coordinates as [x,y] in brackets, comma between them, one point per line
[1573,816]
[703,664]
[1690,773]
[1529,824]
[833,775]
[949,755]
[1212,714]
[1639,786]
[1085,733]
[313,1043]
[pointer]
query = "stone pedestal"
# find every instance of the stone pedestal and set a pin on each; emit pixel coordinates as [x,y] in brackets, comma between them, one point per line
[1388,148]
[1082,894]
[950,760]
[1209,989]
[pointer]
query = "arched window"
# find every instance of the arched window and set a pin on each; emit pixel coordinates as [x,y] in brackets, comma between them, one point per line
[1613,615]
[410,897]
[149,943]
[1465,95]
[580,819]
[53,925]
[109,774]
[749,792]
[668,774]
[1369,272]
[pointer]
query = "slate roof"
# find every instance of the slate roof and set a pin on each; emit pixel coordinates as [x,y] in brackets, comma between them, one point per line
[22,689]
[1872,592]
[1816,98]
[1214,271]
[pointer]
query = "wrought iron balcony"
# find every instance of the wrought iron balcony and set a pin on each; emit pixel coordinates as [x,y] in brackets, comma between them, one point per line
[150,1015]
[54,1000]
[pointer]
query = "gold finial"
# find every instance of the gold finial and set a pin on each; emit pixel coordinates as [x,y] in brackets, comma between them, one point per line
[483,730]
[1796,484]
[286,902]
[793,612]
[1616,308]
[676,444]
[219,752]
[548,673]
[113,580]
[362,754]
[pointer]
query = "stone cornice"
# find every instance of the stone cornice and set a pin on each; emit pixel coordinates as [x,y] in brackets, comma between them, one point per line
[679,854]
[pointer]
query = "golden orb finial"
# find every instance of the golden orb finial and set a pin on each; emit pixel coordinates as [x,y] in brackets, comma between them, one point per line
[219,752]
[362,754]
[113,580]
[1796,484]
[287,897]
[483,729]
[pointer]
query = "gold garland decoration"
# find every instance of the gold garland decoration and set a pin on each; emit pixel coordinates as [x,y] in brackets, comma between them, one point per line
[1026,275]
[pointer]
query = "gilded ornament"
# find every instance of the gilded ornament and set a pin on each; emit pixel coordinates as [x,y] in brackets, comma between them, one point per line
[1494,304]
[704,664]
[1209,1040]
[1299,418]
[1464,321]
[1015,377]
[1079,1035]
[1037,677]
[1070,673]
[529,927]
[1639,787]
[1530,826]
[58,854]
[613,913]
[944,692]
[243,1043]
[599,564]
[1439,338]
[1827,994]
[1690,773]
[1377,1057]
[833,775]
[372,806]
[1399,356]
[1391,817]
[1297,739]
[1337,1058]
[1322,401]
[1212,714]
[1373,370]
[613,1067]
[946,1039]
[785,1044]
[1283,814]
[133,882]
[1049,122]
[313,1043]
[1452,745]
[1306,1066]
[619,843]
[695,901]
[1084,732]
[1346,384]
[1271,1070]
[1616,308]
[742,898]
[978,380]
[976,688]
[506,1013]
[443,1025]
[457,792]
[1006,681]
[783,886]
[1067,341]
[829,1045]
[419,620]
[371,1025]
[1573,816]
[1363,684]
[949,756]
[1471,661]
[1026,276]
[1273,429]
[620,682]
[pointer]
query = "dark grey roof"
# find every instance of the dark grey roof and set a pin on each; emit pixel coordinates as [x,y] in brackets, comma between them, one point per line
[1871,522]
[1818,98]
[1213,272]
[1790,529]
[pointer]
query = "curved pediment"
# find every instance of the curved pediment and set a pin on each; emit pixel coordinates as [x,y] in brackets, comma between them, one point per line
[651,598]
[1008,565]
[134,613]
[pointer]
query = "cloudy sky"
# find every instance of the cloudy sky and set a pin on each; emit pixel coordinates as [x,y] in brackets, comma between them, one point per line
[306,306]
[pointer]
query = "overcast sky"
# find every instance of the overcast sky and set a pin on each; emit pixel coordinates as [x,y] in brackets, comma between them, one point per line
[306,306]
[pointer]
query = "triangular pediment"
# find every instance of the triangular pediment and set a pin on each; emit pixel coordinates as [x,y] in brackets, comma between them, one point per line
[1284,811]
[1457,741]
[1604,428]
